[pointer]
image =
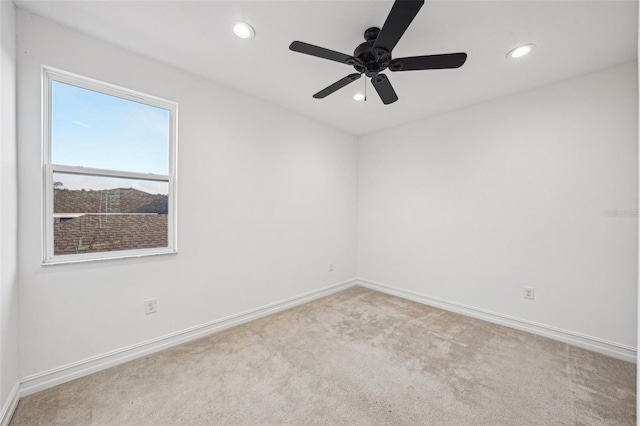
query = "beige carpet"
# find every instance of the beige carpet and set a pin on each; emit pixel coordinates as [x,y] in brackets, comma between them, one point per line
[354,358]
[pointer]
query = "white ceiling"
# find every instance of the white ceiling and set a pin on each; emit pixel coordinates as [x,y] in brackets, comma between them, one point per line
[572,38]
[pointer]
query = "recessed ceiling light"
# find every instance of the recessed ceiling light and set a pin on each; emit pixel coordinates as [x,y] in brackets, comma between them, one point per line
[244,30]
[358,97]
[520,51]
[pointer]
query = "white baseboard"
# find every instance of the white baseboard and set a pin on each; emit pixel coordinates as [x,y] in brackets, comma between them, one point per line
[10,405]
[47,379]
[613,349]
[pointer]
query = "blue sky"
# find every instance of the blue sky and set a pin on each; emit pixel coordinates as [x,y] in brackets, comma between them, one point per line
[91,129]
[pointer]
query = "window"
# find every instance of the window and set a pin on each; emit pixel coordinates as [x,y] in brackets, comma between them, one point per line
[109,171]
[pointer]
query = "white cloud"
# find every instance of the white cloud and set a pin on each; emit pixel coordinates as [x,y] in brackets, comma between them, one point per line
[80,123]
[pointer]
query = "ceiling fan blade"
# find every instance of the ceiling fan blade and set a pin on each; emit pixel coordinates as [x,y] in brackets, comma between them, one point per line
[428,62]
[321,52]
[384,88]
[337,85]
[401,15]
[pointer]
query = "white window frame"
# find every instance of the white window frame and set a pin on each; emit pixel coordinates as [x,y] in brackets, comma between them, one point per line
[49,75]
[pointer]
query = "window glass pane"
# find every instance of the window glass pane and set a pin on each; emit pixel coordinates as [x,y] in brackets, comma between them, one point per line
[91,129]
[97,214]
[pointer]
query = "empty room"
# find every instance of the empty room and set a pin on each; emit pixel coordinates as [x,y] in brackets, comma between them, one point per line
[360,212]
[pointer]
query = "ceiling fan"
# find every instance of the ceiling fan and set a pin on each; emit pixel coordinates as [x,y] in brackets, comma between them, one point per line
[374,55]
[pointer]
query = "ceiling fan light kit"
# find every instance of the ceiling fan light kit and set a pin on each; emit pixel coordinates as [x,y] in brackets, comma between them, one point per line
[374,55]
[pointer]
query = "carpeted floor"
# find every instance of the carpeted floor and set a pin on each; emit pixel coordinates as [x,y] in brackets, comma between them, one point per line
[357,357]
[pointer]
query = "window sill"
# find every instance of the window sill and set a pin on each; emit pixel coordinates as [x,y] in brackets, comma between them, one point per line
[71,259]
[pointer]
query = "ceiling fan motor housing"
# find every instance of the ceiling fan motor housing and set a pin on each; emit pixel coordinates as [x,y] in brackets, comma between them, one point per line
[370,60]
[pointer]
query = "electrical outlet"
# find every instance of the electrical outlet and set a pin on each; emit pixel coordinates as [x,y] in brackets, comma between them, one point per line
[150,306]
[529,293]
[331,267]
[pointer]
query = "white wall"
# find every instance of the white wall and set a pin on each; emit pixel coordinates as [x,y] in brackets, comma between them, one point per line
[472,205]
[267,199]
[8,206]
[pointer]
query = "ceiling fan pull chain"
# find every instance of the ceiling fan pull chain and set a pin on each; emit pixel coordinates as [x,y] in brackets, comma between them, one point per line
[365,90]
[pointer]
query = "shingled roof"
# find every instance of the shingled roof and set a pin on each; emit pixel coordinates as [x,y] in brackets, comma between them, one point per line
[108,220]
[98,233]
[117,200]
